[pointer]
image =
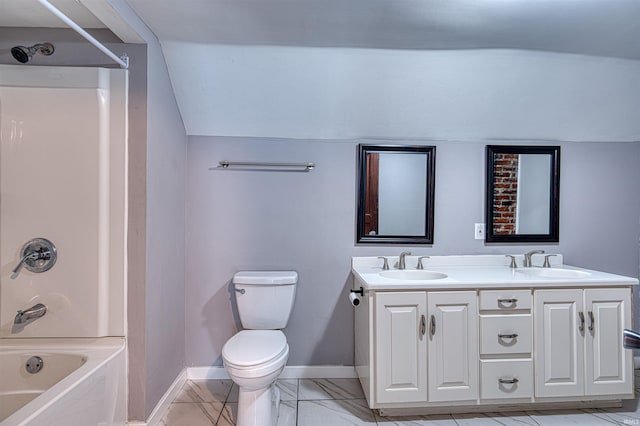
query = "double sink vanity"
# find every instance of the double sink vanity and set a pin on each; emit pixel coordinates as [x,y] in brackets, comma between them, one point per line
[473,333]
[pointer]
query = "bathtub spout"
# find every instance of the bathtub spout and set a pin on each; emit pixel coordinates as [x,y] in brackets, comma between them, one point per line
[36,311]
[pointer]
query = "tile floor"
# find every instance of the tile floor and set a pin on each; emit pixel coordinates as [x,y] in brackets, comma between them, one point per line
[340,402]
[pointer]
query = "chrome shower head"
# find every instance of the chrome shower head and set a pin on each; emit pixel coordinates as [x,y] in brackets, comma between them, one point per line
[23,54]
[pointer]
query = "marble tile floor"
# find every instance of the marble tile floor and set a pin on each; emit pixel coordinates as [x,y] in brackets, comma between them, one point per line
[340,402]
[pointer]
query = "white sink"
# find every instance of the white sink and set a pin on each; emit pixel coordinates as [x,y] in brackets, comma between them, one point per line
[554,272]
[413,275]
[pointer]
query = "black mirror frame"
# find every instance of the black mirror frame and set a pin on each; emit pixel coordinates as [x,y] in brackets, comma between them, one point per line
[554,207]
[427,238]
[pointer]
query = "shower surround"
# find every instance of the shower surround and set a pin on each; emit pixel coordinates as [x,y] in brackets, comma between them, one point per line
[63,155]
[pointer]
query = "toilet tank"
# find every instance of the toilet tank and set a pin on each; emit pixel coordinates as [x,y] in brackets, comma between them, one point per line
[265,298]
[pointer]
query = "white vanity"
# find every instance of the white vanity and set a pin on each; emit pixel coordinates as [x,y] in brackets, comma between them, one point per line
[470,333]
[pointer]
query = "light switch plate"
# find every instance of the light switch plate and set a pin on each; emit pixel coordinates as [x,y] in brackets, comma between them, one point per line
[479,233]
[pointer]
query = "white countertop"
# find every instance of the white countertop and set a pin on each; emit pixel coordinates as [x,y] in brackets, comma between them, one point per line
[491,271]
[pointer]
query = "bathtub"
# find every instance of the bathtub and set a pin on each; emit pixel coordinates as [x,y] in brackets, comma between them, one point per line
[82,382]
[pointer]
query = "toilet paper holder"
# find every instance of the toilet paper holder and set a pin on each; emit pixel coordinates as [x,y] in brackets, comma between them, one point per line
[353,296]
[360,291]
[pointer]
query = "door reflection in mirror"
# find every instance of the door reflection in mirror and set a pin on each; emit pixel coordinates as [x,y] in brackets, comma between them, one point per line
[392,191]
[396,194]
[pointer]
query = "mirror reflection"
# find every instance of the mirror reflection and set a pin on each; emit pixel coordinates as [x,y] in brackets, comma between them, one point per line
[522,193]
[395,202]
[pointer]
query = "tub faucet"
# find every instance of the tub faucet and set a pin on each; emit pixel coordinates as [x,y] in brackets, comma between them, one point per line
[36,311]
[401,263]
[527,257]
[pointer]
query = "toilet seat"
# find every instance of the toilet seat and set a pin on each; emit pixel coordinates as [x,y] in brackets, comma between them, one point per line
[256,350]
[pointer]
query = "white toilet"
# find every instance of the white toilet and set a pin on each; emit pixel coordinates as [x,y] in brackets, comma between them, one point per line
[255,357]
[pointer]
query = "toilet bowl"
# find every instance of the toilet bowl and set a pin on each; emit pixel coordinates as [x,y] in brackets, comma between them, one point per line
[255,357]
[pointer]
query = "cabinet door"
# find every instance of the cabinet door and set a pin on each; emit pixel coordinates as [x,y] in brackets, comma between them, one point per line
[401,356]
[609,365]
[559,345]
[453,345]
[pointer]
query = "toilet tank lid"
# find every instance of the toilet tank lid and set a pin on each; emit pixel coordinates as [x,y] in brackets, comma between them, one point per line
[265,277]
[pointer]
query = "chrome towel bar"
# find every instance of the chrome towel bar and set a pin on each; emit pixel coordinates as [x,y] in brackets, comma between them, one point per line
[250,165]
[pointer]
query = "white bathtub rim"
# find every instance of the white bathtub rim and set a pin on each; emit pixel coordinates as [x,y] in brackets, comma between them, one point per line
[98,351]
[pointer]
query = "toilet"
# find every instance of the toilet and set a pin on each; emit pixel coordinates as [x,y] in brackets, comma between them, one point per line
[255,356]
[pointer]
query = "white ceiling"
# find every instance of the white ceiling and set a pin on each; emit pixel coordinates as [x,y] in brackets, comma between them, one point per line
[30,13]
[594,27]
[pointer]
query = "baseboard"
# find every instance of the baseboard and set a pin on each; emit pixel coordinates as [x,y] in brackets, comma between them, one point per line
[290,372]
[163,405]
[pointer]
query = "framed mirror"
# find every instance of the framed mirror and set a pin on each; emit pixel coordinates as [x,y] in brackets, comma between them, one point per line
[522,194]
[395,194]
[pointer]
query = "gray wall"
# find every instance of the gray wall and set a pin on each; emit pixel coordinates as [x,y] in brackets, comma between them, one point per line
[156,303]
[306,221]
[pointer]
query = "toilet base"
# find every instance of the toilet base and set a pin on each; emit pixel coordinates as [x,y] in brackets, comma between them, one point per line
[256,407]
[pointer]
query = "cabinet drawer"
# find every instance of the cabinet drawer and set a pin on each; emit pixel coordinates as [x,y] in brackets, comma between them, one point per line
[496,375]
[505,334]
[505,300]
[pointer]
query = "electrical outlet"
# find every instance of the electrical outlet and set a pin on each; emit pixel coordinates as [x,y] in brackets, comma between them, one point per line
[479,231]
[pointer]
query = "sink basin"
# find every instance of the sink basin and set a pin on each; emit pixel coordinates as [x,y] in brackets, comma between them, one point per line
[413,275]
[554,272]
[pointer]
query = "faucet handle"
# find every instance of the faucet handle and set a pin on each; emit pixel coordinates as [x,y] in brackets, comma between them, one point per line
[546,263]
[385,264]
[513,264]
[419,266]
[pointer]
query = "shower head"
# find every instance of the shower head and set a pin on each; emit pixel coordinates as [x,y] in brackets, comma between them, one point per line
[23,54]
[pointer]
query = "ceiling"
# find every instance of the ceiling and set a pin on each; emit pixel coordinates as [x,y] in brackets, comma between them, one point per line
[30,13]
[593,27]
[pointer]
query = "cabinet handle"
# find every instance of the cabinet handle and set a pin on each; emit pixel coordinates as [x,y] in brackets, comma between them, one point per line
[507,301]
[432,326]
[508,336]
[592,322]
[581,326]
[423,325]
[508,381]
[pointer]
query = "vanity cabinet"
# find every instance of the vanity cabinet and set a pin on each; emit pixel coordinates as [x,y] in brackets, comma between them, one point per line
[401,347]
[413,327]
[452,345]
[463,350]
[577,334]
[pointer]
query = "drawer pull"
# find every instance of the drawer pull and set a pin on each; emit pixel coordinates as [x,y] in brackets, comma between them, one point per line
[508,336]
[507,301]
[508,381]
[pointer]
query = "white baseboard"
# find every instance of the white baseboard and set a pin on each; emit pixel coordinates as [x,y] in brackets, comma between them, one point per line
[290,372]
[163,405]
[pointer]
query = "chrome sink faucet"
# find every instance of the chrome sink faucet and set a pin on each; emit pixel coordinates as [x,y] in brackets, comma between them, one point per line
[527,257]
[36,311]
[401,262]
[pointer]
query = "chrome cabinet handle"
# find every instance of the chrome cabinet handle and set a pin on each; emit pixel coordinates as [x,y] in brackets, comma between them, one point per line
[508,381]
[592,322]
[581,326]
[432,326]
[508,336]
[507,301]
[423,325]
[240,290]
